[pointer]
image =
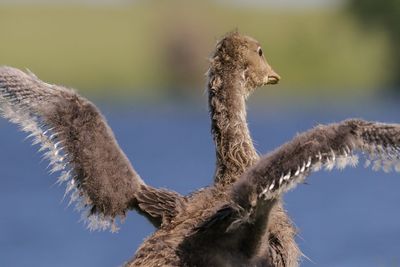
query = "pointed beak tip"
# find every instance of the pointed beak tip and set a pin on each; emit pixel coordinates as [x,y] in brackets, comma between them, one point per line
[273,79]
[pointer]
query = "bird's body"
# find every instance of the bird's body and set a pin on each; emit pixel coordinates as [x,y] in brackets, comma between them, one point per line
[237,221]
[235,153]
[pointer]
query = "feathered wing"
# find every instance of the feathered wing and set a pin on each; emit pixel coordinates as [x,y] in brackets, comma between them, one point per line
[322,148]
[79,144]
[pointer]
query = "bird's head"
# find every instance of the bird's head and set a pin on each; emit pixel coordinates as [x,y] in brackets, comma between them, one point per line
[241,54]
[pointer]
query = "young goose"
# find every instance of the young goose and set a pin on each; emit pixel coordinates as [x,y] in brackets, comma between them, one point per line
[236,222]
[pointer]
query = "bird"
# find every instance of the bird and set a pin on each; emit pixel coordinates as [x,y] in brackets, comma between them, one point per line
[239,220]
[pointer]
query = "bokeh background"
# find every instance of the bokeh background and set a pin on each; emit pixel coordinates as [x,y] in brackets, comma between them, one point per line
[143,63]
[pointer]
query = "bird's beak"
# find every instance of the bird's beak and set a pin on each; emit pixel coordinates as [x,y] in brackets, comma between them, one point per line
[272,76]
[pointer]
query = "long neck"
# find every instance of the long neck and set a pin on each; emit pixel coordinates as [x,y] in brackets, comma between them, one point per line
[234,147]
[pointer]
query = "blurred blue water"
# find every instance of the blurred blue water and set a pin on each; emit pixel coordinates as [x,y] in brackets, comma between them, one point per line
[347,218]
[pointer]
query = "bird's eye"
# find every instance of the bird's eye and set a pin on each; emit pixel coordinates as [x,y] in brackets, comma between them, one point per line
[260,52]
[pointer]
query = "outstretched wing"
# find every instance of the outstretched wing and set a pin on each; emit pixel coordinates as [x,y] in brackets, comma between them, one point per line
[324,147]
[79,144]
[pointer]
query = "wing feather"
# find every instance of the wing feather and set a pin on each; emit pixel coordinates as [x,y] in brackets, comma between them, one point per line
[79,144]
[323,148]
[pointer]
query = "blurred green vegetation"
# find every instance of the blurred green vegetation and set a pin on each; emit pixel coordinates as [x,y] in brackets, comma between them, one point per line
[386,16]
[149,46]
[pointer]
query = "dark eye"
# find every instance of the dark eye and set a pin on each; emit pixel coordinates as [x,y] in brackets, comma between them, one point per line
[260,52]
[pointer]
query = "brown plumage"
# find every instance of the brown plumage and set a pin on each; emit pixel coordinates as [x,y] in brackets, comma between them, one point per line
[238,221]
